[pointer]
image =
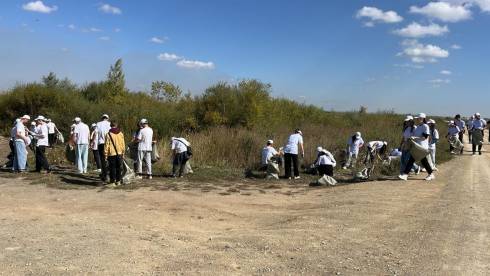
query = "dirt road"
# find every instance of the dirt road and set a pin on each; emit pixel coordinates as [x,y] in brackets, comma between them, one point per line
[381,228]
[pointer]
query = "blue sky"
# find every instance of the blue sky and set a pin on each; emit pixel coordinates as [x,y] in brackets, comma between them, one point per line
[410,56]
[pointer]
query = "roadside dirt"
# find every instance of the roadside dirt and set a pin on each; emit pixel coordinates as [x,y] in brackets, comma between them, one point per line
[377,228]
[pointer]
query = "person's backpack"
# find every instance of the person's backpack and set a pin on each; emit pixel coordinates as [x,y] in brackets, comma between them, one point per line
[189,149]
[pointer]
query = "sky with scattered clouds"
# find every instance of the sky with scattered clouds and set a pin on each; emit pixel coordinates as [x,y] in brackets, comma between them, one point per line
[410,56]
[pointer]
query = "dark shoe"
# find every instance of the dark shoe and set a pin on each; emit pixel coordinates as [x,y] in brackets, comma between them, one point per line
[479,153]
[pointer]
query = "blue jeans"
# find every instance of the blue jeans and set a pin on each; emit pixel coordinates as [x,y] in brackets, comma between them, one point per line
[82,158]
[404,161]
[20,158]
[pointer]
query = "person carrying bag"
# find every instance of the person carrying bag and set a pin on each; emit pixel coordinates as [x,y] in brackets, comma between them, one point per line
[113,153]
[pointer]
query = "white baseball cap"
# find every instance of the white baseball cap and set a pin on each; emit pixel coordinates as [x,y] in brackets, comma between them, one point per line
[40,118]
[431,121]
[94,125]
[319,149]
[27,117]
[408,118]
[421,116]
[358,134]
[477,114]
[33,123]
[105,116]
[270,142]
[144,121]
[77,120]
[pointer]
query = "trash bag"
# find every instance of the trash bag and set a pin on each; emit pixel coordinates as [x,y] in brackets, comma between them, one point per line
[327,180]
[133,150]
[455,143]
[128,174]
[188,168]
[154,154]
[417,151]
[477,137]
[273,170]
[70,153]
[59,138]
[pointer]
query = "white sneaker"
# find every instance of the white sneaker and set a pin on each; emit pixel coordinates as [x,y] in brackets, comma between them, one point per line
[403,177]
[344,168]
[150,177]
[435,169]
[430,177]
[297,177]
[417,171]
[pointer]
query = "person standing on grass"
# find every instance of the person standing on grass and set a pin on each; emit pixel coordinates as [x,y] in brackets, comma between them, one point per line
[81,138]
[421,137]
[42,142]
[180,157]
[52,130]
[145,144]
[452,135]
[469,126]
[103,128]
[291,151]
[268,152]
[408,130]
[478,127]
[20,140]
[462,127]
[433,139]
[325,162]
[94,137]
[354,144]
[114,149]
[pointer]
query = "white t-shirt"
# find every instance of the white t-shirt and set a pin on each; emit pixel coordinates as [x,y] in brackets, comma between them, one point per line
[267,153]
[375,145]
[354,146]
[326,159]
[434,137]
[469,124]
[453,130]
[461,124]
[103,128]
[479,124]
[82,134]
[51,127]
[292,144]
[408,132]
[95,139]
[419,132]
[42,130]
[145,137]
[19,127]
[180,145]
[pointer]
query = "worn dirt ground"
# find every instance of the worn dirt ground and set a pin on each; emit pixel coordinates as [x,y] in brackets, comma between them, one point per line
[377,228]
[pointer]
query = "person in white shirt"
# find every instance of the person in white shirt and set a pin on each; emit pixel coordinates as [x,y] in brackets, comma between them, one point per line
[268,152]
[433,139]
[408,130]
[94,138]
[52,129]
[291,151]
[81,138]
[20,140]
[354,144]
[375,149]
[145,146]
[462,127]
[42,142]
[103,128]
[421,137]
[452,135]
[479,126]
[180,156]
[325,162]
[469,126]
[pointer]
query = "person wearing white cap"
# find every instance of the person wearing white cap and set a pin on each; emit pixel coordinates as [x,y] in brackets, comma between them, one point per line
[180,155]
[433,139]
[52,130]
[42,142]
[477,133]
[291,151]
[408,130]
[421,137]
[375,149]
[94,138]
[20,139]
[81,138]
[469,126]
[462,127]
[354,143]
[145,146]
[103,128]
[268,152]
[452,135]
[325,162]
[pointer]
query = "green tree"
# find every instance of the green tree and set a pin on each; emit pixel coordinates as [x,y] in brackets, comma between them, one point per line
[50,80]
[116,81]
[165,91]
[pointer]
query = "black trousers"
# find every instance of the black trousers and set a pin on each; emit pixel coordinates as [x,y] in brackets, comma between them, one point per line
[115,168]
[96,158]
[52,139]
[288,159]
[325,170]
[41,160]
[424,162]
[103,165]
[479,148]
[180,159]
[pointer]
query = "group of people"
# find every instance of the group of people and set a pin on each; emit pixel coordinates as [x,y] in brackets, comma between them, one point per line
[104,138]
[416,151]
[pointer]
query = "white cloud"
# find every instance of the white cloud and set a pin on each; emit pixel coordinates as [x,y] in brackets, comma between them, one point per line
[443,11]
[71,26]
[168,57]
[95,30]
[446,72]
[416,30]
[377,15]
[440,81]
[106,8]
[422,53]
[195,64]
[484,5]
[456,47]
[105,38]
[157,40]
[409,65]
[39,6]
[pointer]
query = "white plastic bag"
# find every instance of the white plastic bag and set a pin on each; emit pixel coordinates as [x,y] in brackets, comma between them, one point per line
[128,174]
